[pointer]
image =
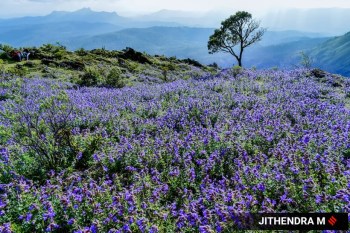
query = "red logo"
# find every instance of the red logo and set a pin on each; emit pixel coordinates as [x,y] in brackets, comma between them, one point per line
[332,220]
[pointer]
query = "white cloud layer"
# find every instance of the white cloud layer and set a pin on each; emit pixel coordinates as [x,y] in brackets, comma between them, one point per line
[10,8]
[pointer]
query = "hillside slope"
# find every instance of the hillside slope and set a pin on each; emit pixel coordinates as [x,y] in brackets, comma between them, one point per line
[101,67]
[185,156]
[334,55]
[284,55]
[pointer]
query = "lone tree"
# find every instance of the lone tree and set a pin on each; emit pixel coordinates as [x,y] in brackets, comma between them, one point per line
[239,29]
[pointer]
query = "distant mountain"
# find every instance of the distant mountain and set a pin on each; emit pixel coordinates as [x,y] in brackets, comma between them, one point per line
[38,34]
[284,55]
[182,42]
[86,15]
[89,29]
[276,49]
[63,26]
[334,55]
[186,18]
[83,15]
[153,40]
[283,37]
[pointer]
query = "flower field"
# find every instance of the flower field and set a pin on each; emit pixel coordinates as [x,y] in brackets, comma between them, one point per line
[185,156]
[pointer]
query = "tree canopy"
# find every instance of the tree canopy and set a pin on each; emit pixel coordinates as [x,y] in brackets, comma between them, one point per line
[239,29]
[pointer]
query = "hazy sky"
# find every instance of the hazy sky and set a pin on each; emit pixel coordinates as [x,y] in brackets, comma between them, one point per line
[10,8]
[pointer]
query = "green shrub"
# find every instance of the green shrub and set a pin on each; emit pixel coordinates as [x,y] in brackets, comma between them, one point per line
[236,70]
[115,79]
[81,52]
[56,51]
[4,56]
[214,65]
[305,60]
[2,66]
[46,135]
[18,70]
[132,66]
[91,77]
[6,48]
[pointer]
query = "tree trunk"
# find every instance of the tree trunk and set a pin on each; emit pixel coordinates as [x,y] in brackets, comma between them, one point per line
[240,62]
[240,57]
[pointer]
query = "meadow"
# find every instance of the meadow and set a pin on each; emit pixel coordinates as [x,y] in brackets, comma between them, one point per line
[179,156]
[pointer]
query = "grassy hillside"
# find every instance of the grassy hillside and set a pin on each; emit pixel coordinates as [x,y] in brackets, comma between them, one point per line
[334,55]
[184,156]
[96,67]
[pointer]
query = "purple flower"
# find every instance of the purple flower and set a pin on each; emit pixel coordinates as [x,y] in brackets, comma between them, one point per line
[6,228]
[318,199]
[79,156]
[261,187]
[93,228]
[306,139]
[153,229]
[204,229]
[126,228]
[218,227]
[96,157]
[29,217]
[71,221]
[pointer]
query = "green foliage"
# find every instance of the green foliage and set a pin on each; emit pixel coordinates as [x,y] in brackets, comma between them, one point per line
[100,67]
[6,48]
[4,56]
[81,52]
[305,60]
[115,78]
[131,54]
[192,62]
[52,48]
[214,65]
[2,66]
[165,74]
[91,77]
[239,29]
[56,51]
[236,70]
[132,66]
[46,134]
[18,70]
[5,133]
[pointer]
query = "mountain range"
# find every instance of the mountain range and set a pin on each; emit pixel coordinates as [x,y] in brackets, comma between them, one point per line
[172,33]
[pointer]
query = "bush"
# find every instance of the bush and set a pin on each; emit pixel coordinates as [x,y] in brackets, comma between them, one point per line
[90,78]
[81,52]
[306,60]
[214,65]
[46,135]
[133,55]
[236,70]
[4,56]
[18,70]
[6,48]
[192,62]
[115,79]
[51,51]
